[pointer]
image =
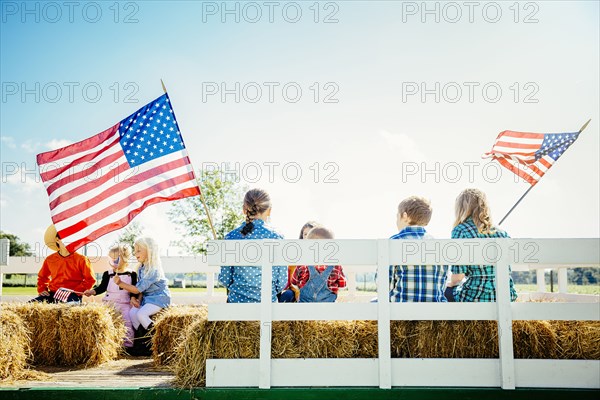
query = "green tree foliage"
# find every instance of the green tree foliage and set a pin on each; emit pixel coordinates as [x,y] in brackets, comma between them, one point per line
[132,232]
[224,198]
[17,247]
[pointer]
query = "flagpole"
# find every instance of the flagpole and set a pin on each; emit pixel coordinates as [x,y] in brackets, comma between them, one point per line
[199,188]
[531,187]
[516,204]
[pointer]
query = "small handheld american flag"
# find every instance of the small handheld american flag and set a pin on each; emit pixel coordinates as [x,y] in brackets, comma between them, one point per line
[62,294]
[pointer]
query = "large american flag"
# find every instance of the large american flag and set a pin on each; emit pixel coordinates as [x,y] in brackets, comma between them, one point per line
[100,184]
[530,155]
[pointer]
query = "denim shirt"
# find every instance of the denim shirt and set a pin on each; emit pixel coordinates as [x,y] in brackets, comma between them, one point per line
[153,285]
[244,282]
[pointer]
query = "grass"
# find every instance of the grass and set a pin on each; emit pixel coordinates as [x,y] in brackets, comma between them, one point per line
[576,289]
[521,288]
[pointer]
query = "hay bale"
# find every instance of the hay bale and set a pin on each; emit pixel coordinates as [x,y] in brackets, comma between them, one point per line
[283,344]
[365,333]
[88,335]
[42,321]
[402,334]
[535,339]
[322,339]
[190,365]
[169,328]
[14,346]
[578,340]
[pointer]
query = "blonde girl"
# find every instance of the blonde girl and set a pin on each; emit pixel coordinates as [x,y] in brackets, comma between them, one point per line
[474,221]
[119,256]
[152,286]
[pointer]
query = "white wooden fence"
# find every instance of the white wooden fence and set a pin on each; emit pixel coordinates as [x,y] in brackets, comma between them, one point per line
[359,256]
[384,371]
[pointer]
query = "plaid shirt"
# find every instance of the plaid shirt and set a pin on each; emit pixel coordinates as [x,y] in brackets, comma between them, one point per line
[417,283]
[336,279]
[481,279]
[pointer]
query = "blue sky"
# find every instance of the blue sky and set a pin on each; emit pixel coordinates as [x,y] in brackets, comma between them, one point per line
[547,72]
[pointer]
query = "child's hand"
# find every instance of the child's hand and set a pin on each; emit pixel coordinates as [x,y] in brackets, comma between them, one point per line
[117,280]
[296,291]
[45,293]
[90,292]
[134,301]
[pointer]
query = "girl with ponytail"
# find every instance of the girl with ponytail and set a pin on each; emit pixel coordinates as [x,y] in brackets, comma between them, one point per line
[474,221]
[243,283]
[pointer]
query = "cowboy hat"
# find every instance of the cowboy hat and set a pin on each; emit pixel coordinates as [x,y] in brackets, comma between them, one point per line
[50,237]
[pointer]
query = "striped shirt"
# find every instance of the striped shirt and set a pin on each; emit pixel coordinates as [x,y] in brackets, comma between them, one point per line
[417,283]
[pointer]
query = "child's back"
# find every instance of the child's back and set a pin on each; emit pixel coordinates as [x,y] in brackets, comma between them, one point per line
[416,283]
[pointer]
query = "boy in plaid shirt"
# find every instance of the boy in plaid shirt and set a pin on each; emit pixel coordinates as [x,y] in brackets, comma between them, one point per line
[318,283]
[416,283]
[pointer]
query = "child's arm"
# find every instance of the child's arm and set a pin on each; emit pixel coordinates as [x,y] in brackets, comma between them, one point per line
[101,288]
[43,280]
[125,286]
[226,276]
[341,278]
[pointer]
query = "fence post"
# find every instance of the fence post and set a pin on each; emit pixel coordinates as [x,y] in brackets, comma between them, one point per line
[383,314]
[351,284]
[541,279]
[505,335]
[562,281]
[4,256]
[210,283]
[264,380]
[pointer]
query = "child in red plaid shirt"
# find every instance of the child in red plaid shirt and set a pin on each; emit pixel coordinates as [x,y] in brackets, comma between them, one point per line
[319,283]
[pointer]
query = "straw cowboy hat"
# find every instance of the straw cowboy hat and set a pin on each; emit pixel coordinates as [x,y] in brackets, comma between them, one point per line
[50,237]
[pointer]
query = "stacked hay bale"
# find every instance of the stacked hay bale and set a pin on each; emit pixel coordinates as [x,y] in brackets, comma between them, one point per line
[14,345]
[169,330]
[42,321]
[69,335]
[358,339]
[578,340]
[90,335]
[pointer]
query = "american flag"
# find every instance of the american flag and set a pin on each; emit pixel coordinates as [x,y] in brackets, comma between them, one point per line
[530,155]
[62,294]
[100,184]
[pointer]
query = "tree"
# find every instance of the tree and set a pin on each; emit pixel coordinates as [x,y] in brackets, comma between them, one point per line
[224,199]
[17,247]
[132,232]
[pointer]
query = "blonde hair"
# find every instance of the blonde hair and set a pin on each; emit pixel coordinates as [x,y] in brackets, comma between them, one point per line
[418,209]
[123,251]
[320,232]
[473,203]
[152,254]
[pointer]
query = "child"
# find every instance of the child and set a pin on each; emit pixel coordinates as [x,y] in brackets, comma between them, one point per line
[319,283]
[243,283]
[152,285]
[291,293]
[119,298]
[63,270]
[473,221]
[416,283]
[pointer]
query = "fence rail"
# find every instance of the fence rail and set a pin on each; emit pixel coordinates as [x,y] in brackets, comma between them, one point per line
[384,371]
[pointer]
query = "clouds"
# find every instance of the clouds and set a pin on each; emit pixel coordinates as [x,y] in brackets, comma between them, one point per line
[8,141]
